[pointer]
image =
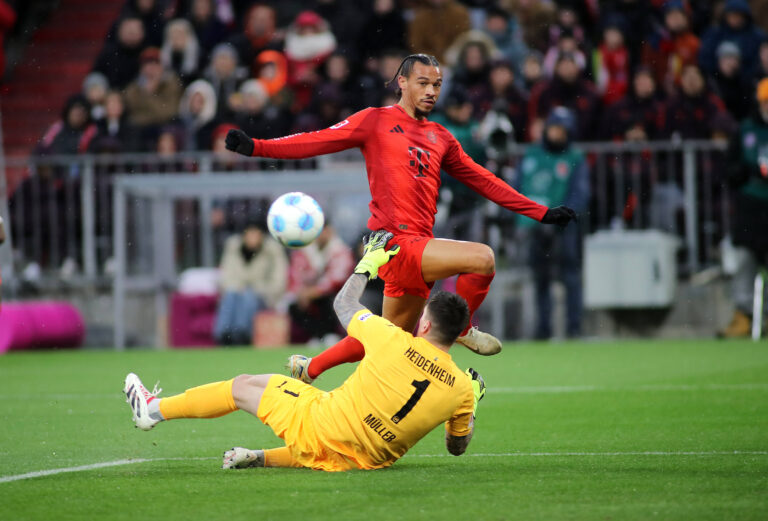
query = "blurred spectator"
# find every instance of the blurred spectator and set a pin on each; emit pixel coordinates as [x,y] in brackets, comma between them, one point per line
[567,22]
[95,87]
[259,33]
[153,99]
[533,71]
[316,273]
[748,174]
[181,52]
[762,66]
[673,47]
[71,134]
[610,62]
[114,133]
[7,21]
[119,59]
[170,141]
[435,25]
[554,173]
[456,116]
[272,72]
[730,84]
[208,28]
[735,26]
[257,116]
[148,11]
[339,13]
[636,18]
[507,36]
[637,116]
[463,218]
[566,43]
[253,272]
[373,80]
[568,89]
[472,68]
[504,93]
[338,83]
[688,115]
[535,19]
[225,76]
[197,112]
[308,42]
[384,29]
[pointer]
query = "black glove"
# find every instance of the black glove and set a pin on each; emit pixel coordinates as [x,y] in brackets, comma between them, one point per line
[560,216]
[238,141]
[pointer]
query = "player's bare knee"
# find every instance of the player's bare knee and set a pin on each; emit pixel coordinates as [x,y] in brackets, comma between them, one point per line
[485,260]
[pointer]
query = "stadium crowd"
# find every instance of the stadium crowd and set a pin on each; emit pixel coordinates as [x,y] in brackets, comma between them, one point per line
[175,74]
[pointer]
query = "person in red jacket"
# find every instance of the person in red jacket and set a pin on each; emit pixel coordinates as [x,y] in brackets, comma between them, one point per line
[404,154]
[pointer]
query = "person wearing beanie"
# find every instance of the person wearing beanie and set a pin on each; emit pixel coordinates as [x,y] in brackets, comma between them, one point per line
[553,172]
[737,26]
[729,82]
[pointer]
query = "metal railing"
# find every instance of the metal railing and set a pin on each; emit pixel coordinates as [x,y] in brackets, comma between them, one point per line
[60,210]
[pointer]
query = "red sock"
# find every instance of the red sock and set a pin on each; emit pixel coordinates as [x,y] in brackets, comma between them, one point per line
[346,350]
[473,287]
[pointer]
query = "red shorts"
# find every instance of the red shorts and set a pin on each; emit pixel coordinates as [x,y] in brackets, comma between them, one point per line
[402,274]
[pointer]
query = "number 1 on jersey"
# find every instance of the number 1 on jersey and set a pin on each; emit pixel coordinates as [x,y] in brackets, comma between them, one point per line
[421,386]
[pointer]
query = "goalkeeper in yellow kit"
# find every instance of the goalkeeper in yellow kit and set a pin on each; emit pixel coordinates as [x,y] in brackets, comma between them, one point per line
[403,388]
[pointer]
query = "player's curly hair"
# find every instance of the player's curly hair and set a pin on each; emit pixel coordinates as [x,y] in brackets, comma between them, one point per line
[449,314]
[406,67]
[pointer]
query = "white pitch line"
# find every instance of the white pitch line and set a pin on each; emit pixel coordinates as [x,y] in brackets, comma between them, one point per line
[564,389]
[93,466]
[120,462]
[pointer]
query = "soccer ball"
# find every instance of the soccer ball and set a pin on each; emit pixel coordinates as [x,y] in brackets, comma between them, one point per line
[295,219]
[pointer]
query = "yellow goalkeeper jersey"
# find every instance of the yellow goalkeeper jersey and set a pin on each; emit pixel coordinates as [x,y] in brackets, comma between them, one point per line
[402,389]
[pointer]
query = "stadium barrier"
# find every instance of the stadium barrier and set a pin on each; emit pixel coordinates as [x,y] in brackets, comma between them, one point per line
[59,209]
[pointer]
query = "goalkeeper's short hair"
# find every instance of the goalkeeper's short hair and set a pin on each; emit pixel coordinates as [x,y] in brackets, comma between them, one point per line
[449,314]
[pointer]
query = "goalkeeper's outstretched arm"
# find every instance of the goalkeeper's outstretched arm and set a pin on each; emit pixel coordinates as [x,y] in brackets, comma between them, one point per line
[456,445]
[347,302]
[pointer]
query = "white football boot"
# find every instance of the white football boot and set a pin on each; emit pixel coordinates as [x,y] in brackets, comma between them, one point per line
[297,367]
[481,343]
[241,458]
[138,398]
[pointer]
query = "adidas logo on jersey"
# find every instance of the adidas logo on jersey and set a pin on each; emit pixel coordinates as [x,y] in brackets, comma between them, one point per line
[397,130]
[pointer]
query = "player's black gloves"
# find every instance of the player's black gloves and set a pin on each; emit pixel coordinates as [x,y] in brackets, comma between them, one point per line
[560,216]
[238,141]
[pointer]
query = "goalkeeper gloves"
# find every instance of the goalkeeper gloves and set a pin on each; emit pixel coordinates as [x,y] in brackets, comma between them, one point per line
[374,254]
[478,386]
[560,216]
[238,141]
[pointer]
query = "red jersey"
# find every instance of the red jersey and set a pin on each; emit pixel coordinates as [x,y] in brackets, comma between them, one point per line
[403,158]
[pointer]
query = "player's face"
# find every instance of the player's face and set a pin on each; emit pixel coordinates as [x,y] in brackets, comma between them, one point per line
[422,88]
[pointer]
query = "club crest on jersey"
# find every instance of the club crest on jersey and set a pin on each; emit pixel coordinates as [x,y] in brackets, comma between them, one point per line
[562,169]
[339,124]
[432,137]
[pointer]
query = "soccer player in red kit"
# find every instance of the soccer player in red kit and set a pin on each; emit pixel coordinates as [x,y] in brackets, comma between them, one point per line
[404,154]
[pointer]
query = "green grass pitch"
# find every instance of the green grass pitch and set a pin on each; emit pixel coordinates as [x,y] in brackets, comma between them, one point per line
[572,431]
